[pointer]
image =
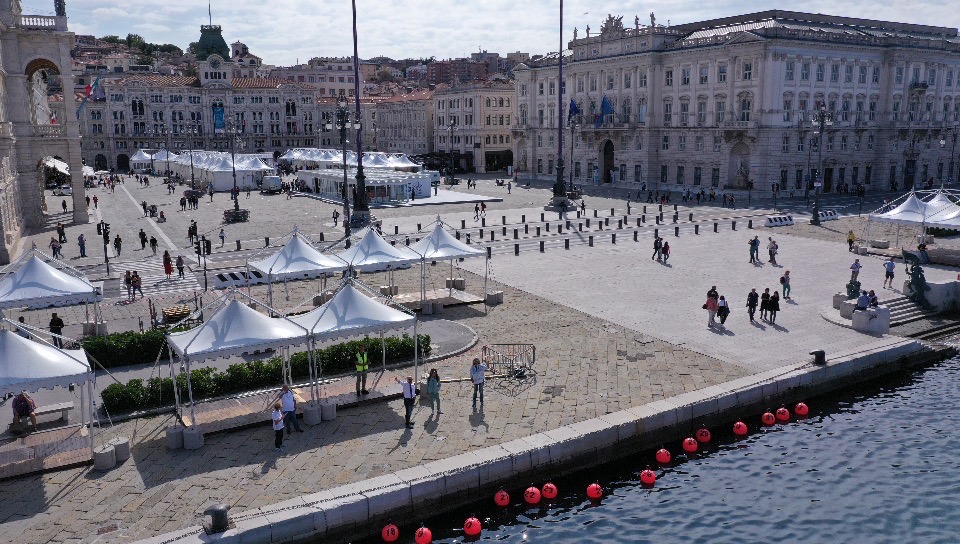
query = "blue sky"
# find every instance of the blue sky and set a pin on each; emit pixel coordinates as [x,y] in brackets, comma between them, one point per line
[285,31]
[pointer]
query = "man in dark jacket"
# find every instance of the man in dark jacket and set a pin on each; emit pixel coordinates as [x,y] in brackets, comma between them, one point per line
[753,298]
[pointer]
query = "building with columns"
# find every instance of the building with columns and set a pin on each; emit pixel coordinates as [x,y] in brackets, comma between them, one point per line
[729,103]
[474,122]
[406,123]
[33,49]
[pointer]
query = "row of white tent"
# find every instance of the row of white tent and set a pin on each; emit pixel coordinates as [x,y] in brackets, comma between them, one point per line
[332,157]
[934,208]
[63,167]
[216,168]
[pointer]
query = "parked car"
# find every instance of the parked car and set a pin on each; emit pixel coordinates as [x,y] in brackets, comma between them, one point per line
[63,190]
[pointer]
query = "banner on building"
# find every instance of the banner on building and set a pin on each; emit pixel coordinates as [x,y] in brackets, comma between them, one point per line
[218,120]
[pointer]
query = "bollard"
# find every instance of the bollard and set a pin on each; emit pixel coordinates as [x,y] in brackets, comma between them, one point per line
[238,245]
[504,231]
[396,228]
[638,221]
[578,214]
[661,217]
[595,213]
[715,227]
[613,238]
[612,212]
[644,209]
[606,222]
[590,241]
[504,220]
[523,218]
[547,227]
[588,222]
[750,223]
[541,246]
[526,228]
[483,221]
[538,231]
[468,239]
[676,217]
[266,241]
[541,217]
[657,218]
[321,236]
[661,207]
[407,241]
[516,234]
[696,229]
[491,236]
[636,235]
[676,231]
[559,229]
[489,251]
[580,227]
[643,219]
[481,235]
[393,243]
[628,208]
[219,520]
[419,227]
[566,243]
[733,225]
[463,224]
[690,218]
[656,233]
[458,235]
[600,225]
[674,207]
[516,249]
[619,223]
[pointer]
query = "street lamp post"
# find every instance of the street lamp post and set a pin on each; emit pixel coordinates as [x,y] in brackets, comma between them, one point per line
[953,148]
[574,126]
[234,131]
[802,131]
[559,187]
[451,126]
[360,204]
[191,133]
[821,120]
[342,124]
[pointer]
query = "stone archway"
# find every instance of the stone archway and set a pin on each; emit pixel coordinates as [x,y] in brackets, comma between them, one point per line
[123,163]
[738,169]
[100,162]
[606,161]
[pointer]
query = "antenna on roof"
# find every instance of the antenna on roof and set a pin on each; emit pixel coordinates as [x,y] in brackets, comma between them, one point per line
[210,12]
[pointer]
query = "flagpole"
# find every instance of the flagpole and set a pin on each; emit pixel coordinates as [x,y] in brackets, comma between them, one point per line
[559,187]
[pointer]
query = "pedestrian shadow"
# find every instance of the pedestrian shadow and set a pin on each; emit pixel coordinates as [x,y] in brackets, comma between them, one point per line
[432,423]
[476,420]
[779,328]
[758,325]
[758,264]
[662,263]
[793,302]
[722,331]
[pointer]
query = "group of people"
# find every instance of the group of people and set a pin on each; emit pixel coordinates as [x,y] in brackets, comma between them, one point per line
[661,250]
[191,200]
[718,307]
[772,250]
[133,283]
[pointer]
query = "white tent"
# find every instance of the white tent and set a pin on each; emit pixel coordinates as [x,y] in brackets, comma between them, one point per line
[164,155]
[373,253]
[31,282]
[440,245]
[140,162]
[298,259]
[911,210]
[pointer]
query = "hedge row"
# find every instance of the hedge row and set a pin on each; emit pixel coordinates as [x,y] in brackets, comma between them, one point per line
[127,348]
[208,382]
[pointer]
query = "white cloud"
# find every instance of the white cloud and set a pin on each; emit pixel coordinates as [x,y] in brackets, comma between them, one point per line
[282,31]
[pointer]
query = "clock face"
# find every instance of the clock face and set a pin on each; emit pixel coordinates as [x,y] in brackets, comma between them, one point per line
[214,63]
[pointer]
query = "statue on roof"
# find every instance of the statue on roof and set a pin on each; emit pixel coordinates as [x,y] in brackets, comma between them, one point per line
[653,19]
[60,8]
[613,25]
[588,31]
[636,22]
[574,33]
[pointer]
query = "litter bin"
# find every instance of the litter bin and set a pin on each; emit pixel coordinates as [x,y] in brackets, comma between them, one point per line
[819,357]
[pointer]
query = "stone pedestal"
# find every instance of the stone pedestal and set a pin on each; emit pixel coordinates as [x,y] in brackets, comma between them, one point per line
[121,448]
[311,414]
[494,297]
[91,328]
[426,308]
[104,458]
[872,320]
[328,411]
[175,438]
[838,300]
[192,438]
[846,308]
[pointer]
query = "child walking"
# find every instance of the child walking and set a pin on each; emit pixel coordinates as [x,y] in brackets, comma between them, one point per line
[278,426]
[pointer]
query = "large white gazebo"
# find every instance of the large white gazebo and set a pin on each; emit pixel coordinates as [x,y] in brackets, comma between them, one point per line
[298,259]
[31,282]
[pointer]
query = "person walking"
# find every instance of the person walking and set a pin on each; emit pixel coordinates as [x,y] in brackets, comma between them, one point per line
[764,303]
[278,426]
[583,206]
[82,242]
[433,389]
[137,284]
[288,405]
[117,245]
[409,397]
[755,250]
[54,246]
[61,233]
[180,267]
[753,298]
[723,310]
[665,251]
[711,306]
[95,201]
[56,329]
[336,217]
[143,239]
[855,269]
[168,265]
[772,250]
[223,237]
[154,245]
[363,365]
[483,209]
[888,272]
[773,306]
[144,206]
[712,293]
[478,375]
[128,284]
[63,204]
[476,211]
[657,246]
[851,238]
[785,282]
[509,188]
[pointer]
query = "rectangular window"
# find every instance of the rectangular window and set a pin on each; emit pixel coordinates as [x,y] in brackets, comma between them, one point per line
[716,144]
[875,78]
[576,169]
[627,81]
[830,142]
[668,78]
[855,175]
[667,113]
[820,70]
[553,88]
[701,112]
[664,173]
[665,144]
[720,112]
[896,111]
[685,76]
[704,75]
[623,172]
[872,113]
[915,75]
[868,174]
[747,71]
[898,75]
[539,166]
[745,107]
[805,71]
[682,142]
[697,174]
[800,145]
[540,88]
[642,79]
[787,107]
[636,173]
[680,175]
[722,73]
[870,140]
[790,68]
[948,81]
[843,142]
[798,179]
[715,177]
[684,113]
[931,77]
[550,166]
[785,144]
[862,76]
[834,73]
[698,140]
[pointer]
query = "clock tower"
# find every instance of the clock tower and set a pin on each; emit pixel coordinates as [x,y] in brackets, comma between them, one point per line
[214,71]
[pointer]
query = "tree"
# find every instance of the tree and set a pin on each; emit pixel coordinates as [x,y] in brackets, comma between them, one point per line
[384,76]
[135,41]
[112,39]
[192,48]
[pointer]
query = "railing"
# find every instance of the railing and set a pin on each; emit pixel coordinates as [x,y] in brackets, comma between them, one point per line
[42,22]
[49,131]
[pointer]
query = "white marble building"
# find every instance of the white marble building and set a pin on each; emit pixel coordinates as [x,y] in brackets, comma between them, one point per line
[475,121]
[729,102]
[32,49]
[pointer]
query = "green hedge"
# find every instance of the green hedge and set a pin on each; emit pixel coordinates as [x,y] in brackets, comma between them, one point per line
[127,348]
[209,382]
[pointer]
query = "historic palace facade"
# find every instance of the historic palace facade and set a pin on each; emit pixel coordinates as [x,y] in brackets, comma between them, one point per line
[730,103]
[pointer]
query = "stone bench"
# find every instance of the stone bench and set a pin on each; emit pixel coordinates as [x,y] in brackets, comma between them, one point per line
[64,408]
[872,320]
[880,244]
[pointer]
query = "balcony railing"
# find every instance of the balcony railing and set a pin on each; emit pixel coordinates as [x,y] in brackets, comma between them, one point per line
[49,131]
[42,22]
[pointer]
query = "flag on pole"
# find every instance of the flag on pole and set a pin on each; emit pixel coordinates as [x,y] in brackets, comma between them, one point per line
[574,109]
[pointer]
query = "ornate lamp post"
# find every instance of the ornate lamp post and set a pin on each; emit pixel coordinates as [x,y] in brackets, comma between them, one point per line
[574,126]
[236,215]
[451,126]
[953,148]
[342,124]
[360,205]
[821,120]
[559,199]
[191,133]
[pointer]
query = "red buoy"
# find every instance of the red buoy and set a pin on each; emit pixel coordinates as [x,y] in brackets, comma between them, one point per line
[768,419]
[783,415]
[663,456]
[531,495]
[703,435]
[740,428]
[472,526]
[423,536]
[690,445]
[801,409]
[502,498]
[549,491]
[390,533]
[648,477]
[594,492]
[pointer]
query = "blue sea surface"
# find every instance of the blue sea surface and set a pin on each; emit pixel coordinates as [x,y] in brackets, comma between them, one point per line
[875,463]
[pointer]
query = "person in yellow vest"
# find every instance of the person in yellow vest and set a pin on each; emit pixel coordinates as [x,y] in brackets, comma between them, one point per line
[363,364]
[851,238]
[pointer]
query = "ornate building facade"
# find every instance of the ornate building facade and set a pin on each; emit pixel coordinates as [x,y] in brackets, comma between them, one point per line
[730,103]
[33,49]
[406,123]
[474,123]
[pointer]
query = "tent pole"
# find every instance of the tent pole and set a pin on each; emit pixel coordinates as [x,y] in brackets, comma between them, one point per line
[193,412]
[92,411]
[898,235]
[416,351]
[383,349]
[451,278]
[486,274]
[313,374]
[176,390]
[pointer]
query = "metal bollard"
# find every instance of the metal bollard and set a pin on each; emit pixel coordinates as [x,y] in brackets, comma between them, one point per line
[613,238]
[458,235]
[266,241]
[606,222]
[638,221]
[578,214]
[483,221]
[526,228]
[547,225]
[238,245]
[661,217]
[541,217]
[566,243]
[468,239]
[516,249]
[696,229]
[419,227]
[491,236]
[489,252]
[676,217]
[733,225]
[219,519]
[463,225]
[580,227]
[600,225]
[657,218]
[588,222]
[523,218]
[750,223]
[504,220]
[595,213]
[481,235]
[715,227]
[321,236]
[504,231]
[676,231]
[396,228]
[393,243]
[590,241]
[636,234]
[690,218]
[656,233]
[538,231]
[674,207]
[541,246]
[628,208]
[559,229]
[644,209]
[516,234]
[612,212]
[407,241]
[619,223]
[661,207]
[643,219]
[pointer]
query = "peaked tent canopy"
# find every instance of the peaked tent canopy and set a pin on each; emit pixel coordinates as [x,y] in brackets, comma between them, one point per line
[298,258]
[235,329]
[911,210]
[350,312]
[164,155]
[375,253]
[441,245]
[35,283]
[29,365]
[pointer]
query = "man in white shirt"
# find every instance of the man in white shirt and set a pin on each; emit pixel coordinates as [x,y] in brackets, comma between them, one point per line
[888,276]
[289,407]
[478,376]
[409,397]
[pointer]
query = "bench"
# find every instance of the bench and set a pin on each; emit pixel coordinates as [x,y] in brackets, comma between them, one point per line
[63,407]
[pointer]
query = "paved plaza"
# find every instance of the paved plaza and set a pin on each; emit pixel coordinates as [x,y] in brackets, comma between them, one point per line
[612,328]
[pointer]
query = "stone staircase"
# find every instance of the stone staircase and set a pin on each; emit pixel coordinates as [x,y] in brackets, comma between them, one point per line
[904,310]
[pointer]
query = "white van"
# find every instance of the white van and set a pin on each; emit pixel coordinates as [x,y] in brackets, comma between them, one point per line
[63,190]
[271,184]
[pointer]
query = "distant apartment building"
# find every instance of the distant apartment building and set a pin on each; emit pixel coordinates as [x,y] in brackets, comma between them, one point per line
[331,76]
[405,123]
[474,122]
[456,71]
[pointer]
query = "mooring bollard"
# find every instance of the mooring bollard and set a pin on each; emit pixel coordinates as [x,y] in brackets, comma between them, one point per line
[541,217]
[566,243]
[690,218]
[590,241]
[750,223]
[619,223]
[526,228]
[538,231]
[266,241]
[516,249]
[523,218]
[504,231]
[547,225]
[463,225]
[595,213]
[612,212]
[483,221]
[541,246]
[516,234]
[613,238]
[238,245]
